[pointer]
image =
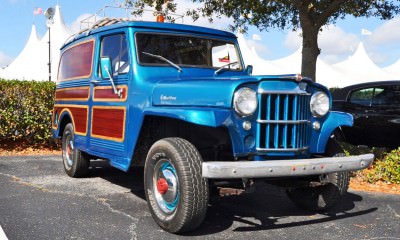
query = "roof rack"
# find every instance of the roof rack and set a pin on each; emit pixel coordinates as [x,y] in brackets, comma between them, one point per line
[104,22]
[91,22]
[100,23]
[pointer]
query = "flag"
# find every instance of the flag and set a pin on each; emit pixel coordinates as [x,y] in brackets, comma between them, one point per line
[37,11]
[365,32]
[224,59]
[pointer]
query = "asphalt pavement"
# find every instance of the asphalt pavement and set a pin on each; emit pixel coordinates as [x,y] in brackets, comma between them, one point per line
[39,201]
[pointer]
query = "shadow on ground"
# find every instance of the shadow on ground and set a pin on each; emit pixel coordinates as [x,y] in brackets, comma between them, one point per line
[267,208]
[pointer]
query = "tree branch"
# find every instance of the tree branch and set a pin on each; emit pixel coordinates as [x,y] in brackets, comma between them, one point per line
[329,11]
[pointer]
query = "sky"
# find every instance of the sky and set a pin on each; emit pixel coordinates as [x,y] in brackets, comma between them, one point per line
[337,42]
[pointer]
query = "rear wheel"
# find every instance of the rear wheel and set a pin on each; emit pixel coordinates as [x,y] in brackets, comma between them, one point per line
[176,193]
[76,162]
[324,191]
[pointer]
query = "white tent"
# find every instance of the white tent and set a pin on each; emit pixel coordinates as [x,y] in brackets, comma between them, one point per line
[287,65]
[260,65]
[27,65]
[32,62]
[359,68]
[394,69]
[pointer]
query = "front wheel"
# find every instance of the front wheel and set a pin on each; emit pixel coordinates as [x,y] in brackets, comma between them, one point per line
[76,162]
[326,190]
[176,193]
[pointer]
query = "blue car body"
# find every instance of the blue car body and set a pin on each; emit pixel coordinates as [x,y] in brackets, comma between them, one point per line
[198,96]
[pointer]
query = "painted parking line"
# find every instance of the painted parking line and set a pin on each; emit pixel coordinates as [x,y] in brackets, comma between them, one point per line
[2,234]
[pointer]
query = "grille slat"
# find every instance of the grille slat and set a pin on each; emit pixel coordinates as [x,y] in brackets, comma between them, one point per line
[284,121]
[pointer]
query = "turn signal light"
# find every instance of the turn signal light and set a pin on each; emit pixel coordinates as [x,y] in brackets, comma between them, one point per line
[160,18]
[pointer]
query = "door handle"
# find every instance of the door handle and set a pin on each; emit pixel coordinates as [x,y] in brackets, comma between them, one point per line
[95,81]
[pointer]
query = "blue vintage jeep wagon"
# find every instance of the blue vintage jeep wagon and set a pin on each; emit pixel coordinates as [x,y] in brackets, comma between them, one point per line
[179,100]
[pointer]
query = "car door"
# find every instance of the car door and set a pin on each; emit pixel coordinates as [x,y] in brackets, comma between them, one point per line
[359,104]
[384,116]
[108,126]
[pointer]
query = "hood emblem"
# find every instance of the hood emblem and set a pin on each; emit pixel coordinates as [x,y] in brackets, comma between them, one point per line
[167,98]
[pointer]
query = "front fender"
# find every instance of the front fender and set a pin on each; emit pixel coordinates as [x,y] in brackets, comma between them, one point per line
[334,120]
[205,117]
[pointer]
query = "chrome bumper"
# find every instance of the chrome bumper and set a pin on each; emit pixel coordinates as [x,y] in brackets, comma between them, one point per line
[285,168]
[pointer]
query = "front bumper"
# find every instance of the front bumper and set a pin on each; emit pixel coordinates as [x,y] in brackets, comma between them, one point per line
[285,168]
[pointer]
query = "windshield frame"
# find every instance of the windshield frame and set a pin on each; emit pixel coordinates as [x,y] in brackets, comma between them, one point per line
[227,41]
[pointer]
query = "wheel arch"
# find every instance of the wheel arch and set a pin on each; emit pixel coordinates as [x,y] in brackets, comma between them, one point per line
[64,120]
[209,140]
[333,122]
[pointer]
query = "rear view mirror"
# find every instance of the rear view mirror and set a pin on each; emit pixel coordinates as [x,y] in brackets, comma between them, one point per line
[105,67]
[249,69]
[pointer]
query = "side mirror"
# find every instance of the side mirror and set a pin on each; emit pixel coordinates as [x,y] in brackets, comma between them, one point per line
[105,67]
[249,69]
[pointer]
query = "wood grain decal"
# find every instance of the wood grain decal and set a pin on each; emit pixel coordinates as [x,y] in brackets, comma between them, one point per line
[78,114]
[73,94]
[108,123]
[106,94]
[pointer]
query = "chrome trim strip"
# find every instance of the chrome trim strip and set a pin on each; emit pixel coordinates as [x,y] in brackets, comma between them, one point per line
[283,121]
[261,150]
[293,92]
[285,168]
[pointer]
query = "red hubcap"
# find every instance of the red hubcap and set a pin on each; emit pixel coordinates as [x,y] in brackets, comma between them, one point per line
[162,186]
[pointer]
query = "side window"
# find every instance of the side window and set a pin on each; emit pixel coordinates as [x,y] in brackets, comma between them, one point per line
[76,61]
[115,47]
[389,95]
[362,96]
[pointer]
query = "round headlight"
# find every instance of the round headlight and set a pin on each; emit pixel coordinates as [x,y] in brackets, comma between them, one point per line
[245,101]
[319,104]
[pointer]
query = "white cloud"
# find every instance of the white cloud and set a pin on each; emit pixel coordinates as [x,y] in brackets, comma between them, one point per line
[333,40]
[260,48]
[218,23]
[76,25]
[335,44]
[293,40]
[4,59]
[387,33]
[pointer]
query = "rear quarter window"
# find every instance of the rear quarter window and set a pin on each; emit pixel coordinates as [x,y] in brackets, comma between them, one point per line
[76,61]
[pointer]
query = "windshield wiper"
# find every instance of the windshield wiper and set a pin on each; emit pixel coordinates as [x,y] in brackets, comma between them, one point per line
[165,60]
[223,67]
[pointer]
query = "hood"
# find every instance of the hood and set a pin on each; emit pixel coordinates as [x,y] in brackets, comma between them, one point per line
[206,92]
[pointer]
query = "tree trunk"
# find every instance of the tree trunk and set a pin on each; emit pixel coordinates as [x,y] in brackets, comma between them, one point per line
[310,53]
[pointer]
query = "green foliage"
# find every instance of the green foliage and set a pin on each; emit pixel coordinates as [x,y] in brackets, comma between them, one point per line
[25,110]
[387,169]
[386,166]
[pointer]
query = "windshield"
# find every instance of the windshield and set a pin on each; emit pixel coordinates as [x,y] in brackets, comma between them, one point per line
[187,51]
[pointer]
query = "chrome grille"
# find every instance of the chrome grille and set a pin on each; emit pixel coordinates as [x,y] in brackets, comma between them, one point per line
[284,121]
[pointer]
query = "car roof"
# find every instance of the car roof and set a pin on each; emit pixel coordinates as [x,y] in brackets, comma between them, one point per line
[371,84]
[110,24]
[342,93]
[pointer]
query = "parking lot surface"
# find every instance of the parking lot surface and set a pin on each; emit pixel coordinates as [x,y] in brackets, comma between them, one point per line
[39,201]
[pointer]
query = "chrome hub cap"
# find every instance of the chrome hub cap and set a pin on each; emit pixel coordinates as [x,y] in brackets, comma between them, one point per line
[69,148]
[165,186]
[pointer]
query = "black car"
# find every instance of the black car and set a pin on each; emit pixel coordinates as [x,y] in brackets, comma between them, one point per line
[375,107]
